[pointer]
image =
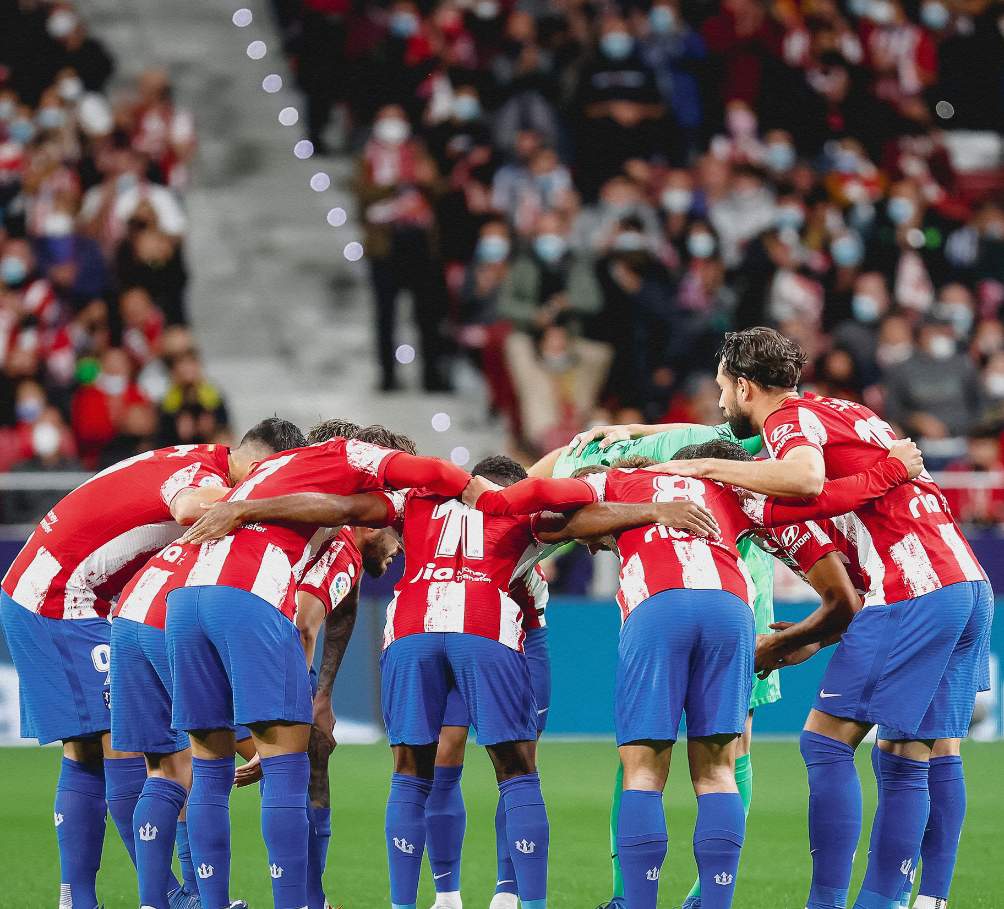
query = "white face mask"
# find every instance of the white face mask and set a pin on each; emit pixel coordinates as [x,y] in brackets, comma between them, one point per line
[70,88]
[58,224]
[676,200]
[941,347]
[995,384]
[60,23]
[111,384]
[891,354]
[45,439]
[392,130]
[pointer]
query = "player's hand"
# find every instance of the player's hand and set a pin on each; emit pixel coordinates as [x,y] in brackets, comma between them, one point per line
[220,519]
[688,516]
[692,467]
[248,774]
[906,450]
[472,491]
[606,434]
[323,724]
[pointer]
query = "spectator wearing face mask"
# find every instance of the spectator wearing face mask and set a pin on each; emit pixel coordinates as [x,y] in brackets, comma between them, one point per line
[462,130]
[743,40]
[746,211]
[49,447]
[859,335]
[900,53]
[979,504]
[193,411]
[72,262]
[77,49]
[397,183]
[935,395]
[163,131]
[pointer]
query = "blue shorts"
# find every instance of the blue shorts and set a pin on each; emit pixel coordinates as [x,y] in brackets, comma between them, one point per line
[235,659]
[684,651]
[538,660]
[493,681]
[141,689]
[62,668]
[913,668]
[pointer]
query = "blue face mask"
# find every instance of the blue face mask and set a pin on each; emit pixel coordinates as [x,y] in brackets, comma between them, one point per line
[662,20]
[466,107]
[13,271]
[935,15]
[847,251]
[50,117]
[616,45]
[865,308]
[22,131]
[900,209]
[549,247]
[492,249]
[790,216]
[780,156]
[28,411]
[701,245]
[403,25]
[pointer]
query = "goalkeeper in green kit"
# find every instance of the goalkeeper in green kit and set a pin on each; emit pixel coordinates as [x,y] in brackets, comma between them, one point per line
[605,445]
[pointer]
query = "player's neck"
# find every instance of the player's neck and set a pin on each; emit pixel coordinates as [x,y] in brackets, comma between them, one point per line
[771,402]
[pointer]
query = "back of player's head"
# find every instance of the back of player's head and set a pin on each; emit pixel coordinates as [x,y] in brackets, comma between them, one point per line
[715,448]
[273,435]
[332,429]
[762,355]
[634,462]
[588,469]
[382,436]
[499,469]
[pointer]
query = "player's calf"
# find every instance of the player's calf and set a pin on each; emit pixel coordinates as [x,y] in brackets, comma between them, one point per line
[79,815]
[446,816]
[404,823]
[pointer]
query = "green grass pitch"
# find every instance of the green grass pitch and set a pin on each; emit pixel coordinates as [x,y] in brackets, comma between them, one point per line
[577,780]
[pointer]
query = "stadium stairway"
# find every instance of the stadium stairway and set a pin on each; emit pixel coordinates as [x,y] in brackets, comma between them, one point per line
[282,318]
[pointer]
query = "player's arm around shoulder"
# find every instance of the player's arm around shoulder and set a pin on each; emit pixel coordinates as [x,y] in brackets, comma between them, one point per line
[799,474]
[190,504]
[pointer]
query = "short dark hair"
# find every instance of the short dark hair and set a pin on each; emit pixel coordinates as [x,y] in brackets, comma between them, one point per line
[633,462]
[499,469]
[332,429]
[382,436]
[588,470]
[714,448]
[762,355]
[274,434]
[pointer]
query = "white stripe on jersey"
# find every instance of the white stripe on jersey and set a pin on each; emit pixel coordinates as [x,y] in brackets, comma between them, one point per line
[536,587]
[963,556]
[178,480]
[121,465]
[109,558]
[509,621]
[818,533]
[137,604]
[851,526]
[209,562]
[914,565]
[445,606]
[33,585]
[633,586]
[315,575]
[241,492]
[699,569]
[272,581]
[388,627]
[365,457]
[598,481]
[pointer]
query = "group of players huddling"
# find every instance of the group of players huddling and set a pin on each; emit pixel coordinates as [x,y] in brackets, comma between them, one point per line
[213,629]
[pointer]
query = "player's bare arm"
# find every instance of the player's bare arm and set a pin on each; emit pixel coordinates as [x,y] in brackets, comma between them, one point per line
[795,641]
[603,518]
[190,504]
[363,510]
[309,616]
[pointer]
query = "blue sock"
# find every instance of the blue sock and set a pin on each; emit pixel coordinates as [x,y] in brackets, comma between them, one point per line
[319,835]
[404,827]
[947,785]
[209,828]
[155,821]
[79,815]
[185,858]
[505,882]
[445,822]
[528,837]
[834,818]
[124,779]
[284,826]
[718,841]
[641,845]
[898,828]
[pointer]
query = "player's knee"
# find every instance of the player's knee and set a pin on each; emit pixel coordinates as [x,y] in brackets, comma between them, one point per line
[84,751]
[512,759]
[452,745]
[415,760]
[947,748]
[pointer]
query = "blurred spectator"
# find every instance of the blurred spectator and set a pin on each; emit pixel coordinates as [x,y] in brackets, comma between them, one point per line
[193,411]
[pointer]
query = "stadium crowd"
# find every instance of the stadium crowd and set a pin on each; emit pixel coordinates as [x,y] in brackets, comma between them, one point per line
[97,358]
[583,197]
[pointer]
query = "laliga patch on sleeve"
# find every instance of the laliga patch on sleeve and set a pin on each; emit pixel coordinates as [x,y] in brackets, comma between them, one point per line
[341,584]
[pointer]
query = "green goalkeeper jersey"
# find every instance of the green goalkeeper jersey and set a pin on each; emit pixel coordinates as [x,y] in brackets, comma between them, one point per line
[662,447]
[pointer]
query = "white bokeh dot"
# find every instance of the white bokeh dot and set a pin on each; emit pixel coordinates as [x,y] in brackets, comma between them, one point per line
[915,237]
[405,354]
[242,17]
[460,456]
[440,421]
[353,251]
[257,50]
[303,149]
[320,182]
[337,217]
[272,83]
[288,116]
[945,110]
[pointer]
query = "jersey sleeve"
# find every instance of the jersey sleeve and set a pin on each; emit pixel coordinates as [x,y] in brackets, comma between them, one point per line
[806,543]
[792,427]
[530,593]
[331,575]
[368,464]
[434,475]
[192,476]
[537,494]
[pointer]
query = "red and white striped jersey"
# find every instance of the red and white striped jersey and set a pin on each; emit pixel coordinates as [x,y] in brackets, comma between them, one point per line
[907,541]
[86,548]
[459,572]
[334,571]
[530,592]
[329,576]
[268,560]
[656,558]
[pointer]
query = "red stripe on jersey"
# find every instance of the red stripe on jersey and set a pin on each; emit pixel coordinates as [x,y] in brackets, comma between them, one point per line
[907,539]
[459,565]
[334,571]
[95,538]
